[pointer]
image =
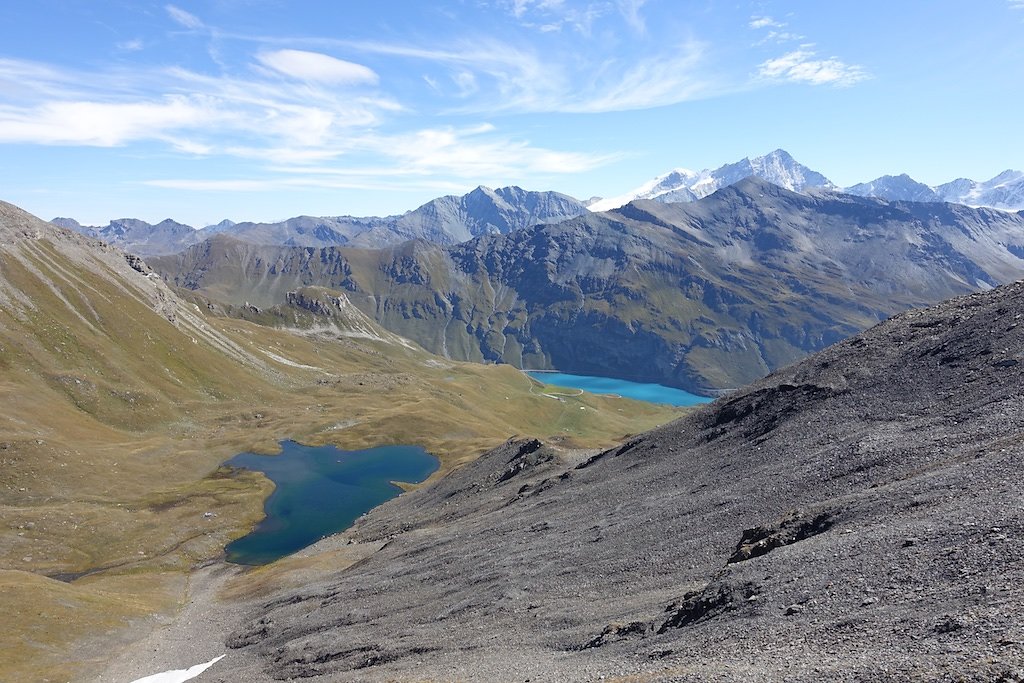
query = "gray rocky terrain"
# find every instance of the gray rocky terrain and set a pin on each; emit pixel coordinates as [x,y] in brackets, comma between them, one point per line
[857,516]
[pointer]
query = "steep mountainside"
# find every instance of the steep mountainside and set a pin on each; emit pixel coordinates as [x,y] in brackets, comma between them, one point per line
[706,295]
[853,517]
[682,185]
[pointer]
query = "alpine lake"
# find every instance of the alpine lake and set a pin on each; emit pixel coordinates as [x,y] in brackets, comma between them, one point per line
[321,490]
[653,393]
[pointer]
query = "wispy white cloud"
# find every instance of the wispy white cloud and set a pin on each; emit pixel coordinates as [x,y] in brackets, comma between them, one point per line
[776,32]
[186,19]
[764,22]
[801,66]
[441,159]
[316,67]
[511,78]
[131,45]
[780,37]
[674,77]
[552,15]
[104,124]
[188,110]
[476,152]
[1016,4]
[521,7]
[630,10]
[366,181]
[330,120]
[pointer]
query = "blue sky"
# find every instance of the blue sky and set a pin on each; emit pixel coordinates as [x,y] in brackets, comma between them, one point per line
[266,109]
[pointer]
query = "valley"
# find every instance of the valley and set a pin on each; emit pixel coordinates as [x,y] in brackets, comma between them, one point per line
[703,296]
[511,341]
[121,401]
[152,374]
[851,517]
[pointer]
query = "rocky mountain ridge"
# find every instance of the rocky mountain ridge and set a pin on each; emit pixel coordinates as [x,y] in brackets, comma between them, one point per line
[452,219]
[682,185]
[445,220]
[706,295]
[1005,191]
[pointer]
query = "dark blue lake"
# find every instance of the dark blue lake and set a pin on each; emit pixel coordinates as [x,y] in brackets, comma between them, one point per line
[654,393]
[321,490]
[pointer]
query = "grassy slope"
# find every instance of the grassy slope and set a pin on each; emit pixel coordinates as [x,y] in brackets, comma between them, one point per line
[115,420]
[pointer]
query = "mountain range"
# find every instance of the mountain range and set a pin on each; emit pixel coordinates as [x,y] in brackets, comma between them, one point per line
[445,220]
[452,219]
[1005,191]
[707,295]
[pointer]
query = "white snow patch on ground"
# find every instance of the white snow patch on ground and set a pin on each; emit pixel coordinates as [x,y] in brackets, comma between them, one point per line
[179,675]
[285,361]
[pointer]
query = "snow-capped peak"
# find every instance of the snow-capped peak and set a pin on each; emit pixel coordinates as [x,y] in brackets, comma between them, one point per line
[1005,191]
[776,167]
[649,190]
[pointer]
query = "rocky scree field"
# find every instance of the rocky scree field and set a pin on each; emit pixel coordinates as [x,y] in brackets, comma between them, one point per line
[855,516]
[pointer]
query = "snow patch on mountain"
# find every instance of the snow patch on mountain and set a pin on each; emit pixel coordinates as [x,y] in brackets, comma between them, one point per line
[669,182]
[179,675]
[1005,191]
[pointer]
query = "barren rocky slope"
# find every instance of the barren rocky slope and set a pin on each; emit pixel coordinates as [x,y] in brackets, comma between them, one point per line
[856,516]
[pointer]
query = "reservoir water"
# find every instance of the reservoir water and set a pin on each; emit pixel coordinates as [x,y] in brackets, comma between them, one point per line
[321,490]
[654,393]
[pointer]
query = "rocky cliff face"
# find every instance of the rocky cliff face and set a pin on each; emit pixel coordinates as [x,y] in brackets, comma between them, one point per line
[852,517]
[705,296]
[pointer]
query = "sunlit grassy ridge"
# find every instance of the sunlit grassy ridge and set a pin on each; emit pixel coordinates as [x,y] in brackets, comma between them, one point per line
[120,402]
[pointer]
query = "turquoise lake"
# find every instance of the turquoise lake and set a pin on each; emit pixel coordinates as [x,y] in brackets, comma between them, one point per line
[654,393]
[321,490]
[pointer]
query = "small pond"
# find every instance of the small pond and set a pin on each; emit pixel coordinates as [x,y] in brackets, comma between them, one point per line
[321,490]
[654,393]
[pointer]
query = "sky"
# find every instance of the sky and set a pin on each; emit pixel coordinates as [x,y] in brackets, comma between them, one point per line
[266,109]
